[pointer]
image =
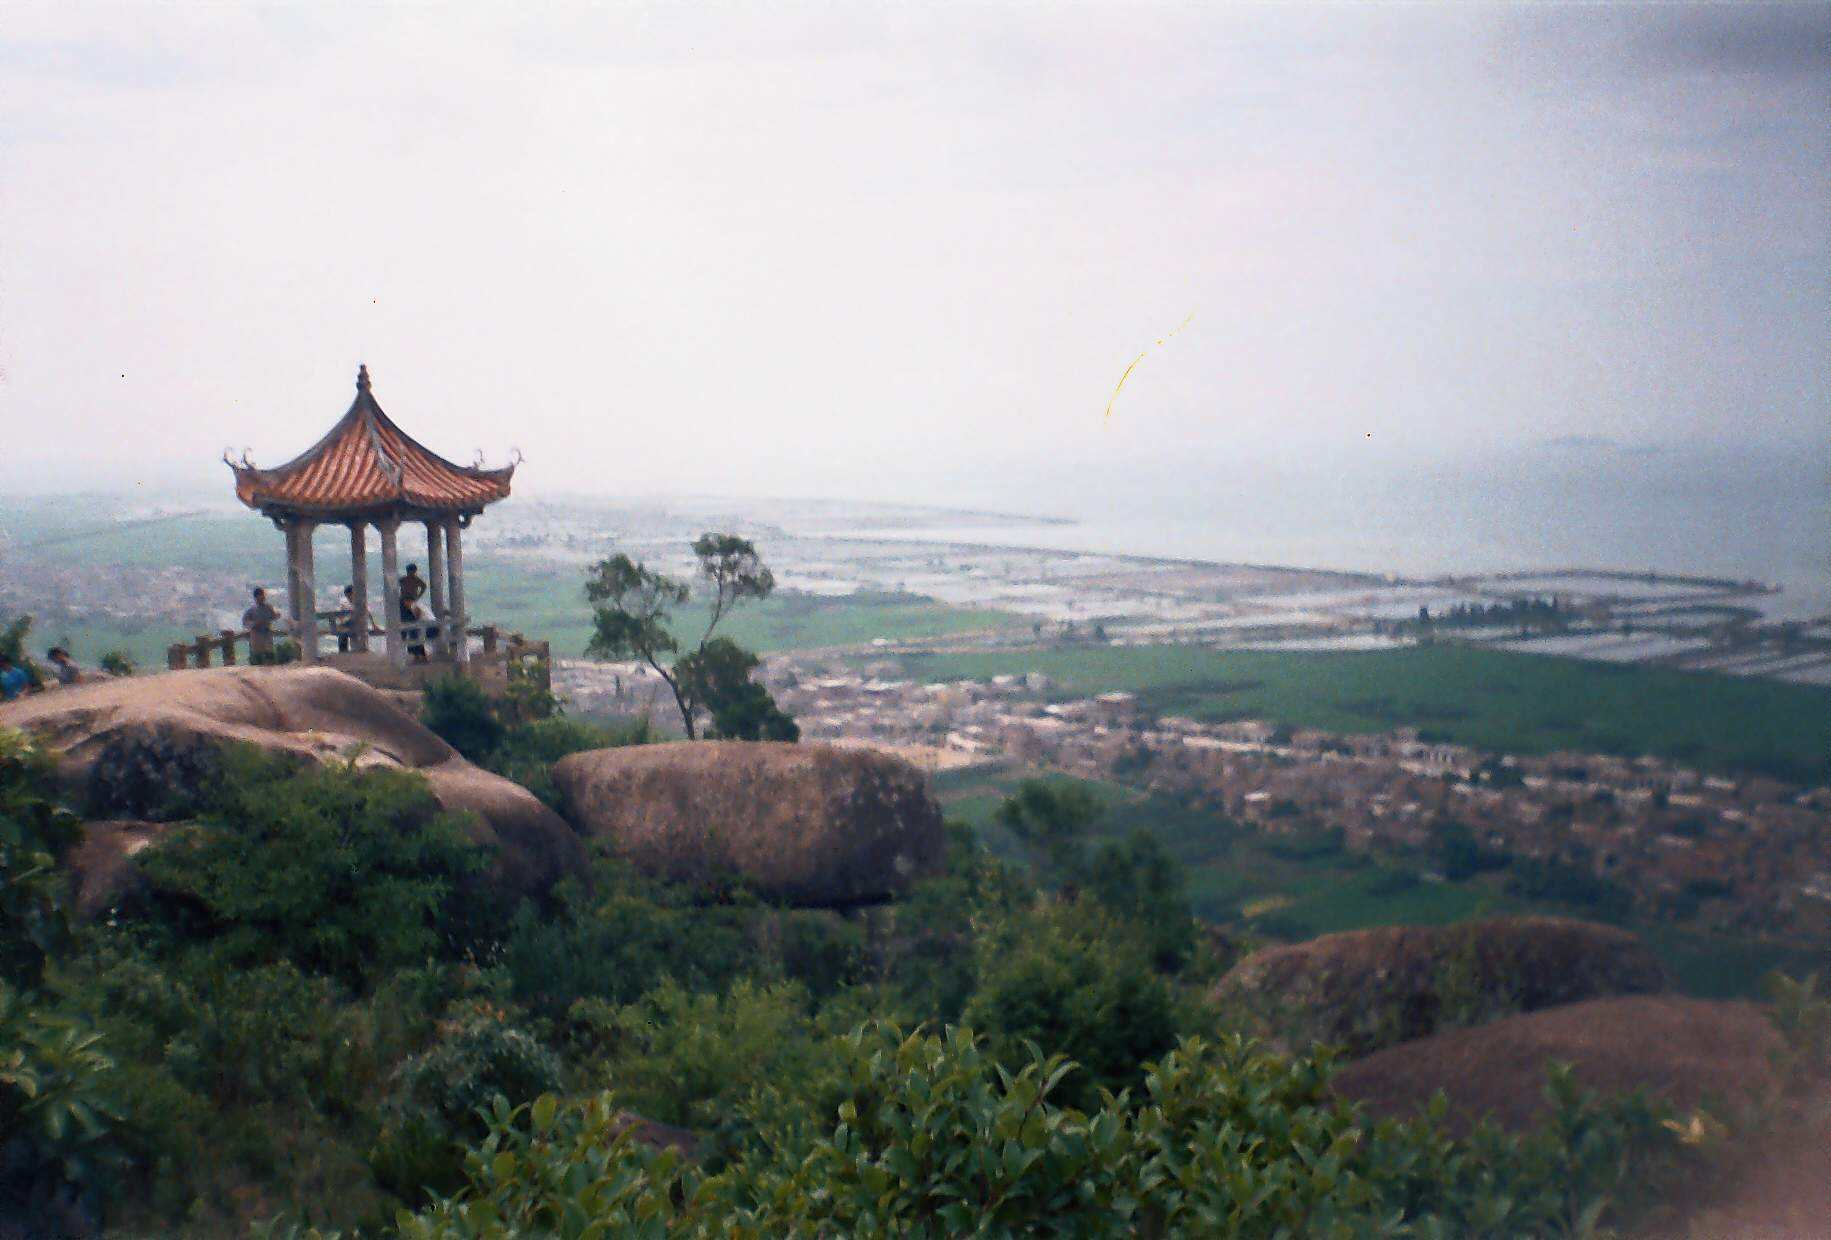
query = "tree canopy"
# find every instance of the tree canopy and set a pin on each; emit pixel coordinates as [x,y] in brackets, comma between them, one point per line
[632,619]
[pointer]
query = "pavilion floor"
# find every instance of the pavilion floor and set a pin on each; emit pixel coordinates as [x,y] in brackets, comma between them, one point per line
[373,668]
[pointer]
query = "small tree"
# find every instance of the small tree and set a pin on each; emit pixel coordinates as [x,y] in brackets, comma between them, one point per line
[635,605]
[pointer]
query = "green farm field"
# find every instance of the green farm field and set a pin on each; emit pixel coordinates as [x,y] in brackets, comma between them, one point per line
[1489,699]
[551,604]
[1288,890]
[540,600]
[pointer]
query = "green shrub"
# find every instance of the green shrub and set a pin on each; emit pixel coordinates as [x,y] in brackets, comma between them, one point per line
[821,950]
[435,1097]
[458,709]
[935,1137]
[1070,979]
[691,1059]
[526,752]
[340,871]
[521,736]
[35,830]
[618,941]
[61,1134]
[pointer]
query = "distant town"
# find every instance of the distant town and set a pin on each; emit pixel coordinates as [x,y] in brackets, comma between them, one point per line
[1750,855]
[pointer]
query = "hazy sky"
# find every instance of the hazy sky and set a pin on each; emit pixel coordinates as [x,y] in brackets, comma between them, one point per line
[793,248]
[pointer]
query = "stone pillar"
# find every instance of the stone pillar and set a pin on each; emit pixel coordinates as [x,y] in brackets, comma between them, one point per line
[308,596]
[291,530]
[359,585]
[435,578]
[454,565]
[391,591]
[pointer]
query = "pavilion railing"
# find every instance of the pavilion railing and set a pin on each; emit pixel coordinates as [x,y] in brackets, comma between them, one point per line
[516,654]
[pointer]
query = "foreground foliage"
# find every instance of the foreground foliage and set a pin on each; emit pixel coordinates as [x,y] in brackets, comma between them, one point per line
[306,1012]
[935,1137]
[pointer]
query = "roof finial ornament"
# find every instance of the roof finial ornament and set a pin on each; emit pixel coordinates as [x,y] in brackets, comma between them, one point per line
[362,377]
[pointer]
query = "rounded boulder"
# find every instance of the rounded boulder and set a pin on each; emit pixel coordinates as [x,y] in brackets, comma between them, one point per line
[1366,989]
[1690,1052]
[144,747]
[811,825]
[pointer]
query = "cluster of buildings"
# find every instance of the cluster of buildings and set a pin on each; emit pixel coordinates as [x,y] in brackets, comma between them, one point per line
[77,590]
[1750,854]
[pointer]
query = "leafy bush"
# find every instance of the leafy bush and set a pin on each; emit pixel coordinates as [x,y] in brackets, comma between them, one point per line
[435,1098]
[526,752]
[285,650]
[59,1126]
[521,736]
[619,941]
[458,709]
[691,1059]
[34,831]
[340,871]
[935,1137]
[1069,978]
[118,663]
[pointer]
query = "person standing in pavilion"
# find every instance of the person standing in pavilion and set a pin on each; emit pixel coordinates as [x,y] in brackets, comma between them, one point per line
[258,620]
[413,587]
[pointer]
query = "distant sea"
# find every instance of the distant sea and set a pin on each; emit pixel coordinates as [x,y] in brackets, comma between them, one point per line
[1746,514]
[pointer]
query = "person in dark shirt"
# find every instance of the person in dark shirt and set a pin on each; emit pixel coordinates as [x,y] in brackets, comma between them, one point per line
[413,588]
[344,622]
[258,620]
[68,673]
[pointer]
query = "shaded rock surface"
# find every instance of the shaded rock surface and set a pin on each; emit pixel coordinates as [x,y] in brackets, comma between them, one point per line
[101,864]
[661,1136]
[1690,1051]
[1366,989]
[144,747]
[807,824]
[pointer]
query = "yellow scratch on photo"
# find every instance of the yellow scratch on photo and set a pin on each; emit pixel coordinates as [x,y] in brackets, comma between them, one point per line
[1120,386]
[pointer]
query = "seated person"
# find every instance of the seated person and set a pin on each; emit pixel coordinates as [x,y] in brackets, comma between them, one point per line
[68,673]
[14,679]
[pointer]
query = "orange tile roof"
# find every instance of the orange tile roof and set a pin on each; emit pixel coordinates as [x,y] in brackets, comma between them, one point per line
[368,464]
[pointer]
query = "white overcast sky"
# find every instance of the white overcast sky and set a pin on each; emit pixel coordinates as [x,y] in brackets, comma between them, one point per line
[781,248]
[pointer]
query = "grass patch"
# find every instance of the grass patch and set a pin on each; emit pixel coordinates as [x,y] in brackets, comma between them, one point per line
[550,603]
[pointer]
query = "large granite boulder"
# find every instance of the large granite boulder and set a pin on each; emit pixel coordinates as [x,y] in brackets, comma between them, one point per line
[805,824]
[1688,1051]
[143,747]
[1365,989]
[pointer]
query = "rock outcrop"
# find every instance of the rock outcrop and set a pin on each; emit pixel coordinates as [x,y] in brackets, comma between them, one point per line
[806,824]
[101,864]
[1689,1051]
[143,747]
[1367,989]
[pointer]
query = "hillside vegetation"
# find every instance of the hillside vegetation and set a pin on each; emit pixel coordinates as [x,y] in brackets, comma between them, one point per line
[303,1011]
